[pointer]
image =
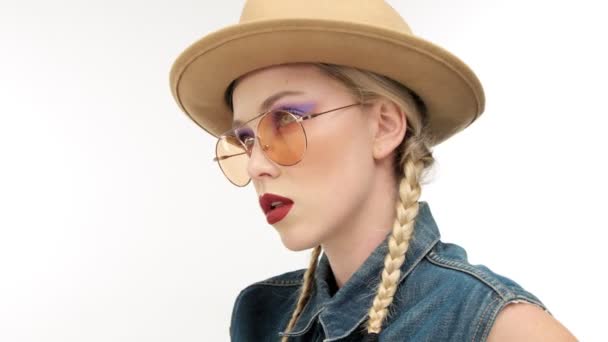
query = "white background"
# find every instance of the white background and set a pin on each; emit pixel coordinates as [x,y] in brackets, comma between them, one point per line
[116,226]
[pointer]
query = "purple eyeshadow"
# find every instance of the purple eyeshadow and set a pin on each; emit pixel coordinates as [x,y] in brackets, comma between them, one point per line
[298,109]
[301,108]
[243,132]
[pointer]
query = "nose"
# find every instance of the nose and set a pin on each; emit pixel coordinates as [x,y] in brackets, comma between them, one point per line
[259,165]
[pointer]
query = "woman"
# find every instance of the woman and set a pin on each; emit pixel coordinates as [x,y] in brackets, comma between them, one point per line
[348,182]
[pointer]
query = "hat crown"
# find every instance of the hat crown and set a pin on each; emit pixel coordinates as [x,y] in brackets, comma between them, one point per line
[367,12]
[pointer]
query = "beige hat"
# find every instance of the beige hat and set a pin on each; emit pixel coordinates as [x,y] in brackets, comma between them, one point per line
[366,34]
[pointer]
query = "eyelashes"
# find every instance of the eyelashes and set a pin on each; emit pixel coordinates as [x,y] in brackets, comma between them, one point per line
[243,133]
[294,110]
[299,110]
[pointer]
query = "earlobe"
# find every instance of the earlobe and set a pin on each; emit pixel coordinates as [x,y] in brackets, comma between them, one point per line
[381,151]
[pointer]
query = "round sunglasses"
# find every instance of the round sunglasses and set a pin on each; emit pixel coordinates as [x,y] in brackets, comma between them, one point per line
[281,135]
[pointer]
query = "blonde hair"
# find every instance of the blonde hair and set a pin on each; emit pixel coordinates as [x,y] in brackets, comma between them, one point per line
[411,159]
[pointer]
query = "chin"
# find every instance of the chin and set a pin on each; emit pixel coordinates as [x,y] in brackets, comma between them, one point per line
[298,240]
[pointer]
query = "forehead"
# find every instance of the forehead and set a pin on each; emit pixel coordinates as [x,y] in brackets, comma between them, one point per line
[278,75]
[253,88]
[302,81]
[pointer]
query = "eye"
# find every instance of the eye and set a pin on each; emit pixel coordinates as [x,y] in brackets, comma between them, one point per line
[285,119]
[244,135]
[286,116]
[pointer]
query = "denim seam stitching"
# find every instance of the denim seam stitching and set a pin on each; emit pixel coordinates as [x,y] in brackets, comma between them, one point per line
[307,327]
[517,299]
[441,261]
[280,282]
[482,318]
[272,281]
[469,269]
[324,329]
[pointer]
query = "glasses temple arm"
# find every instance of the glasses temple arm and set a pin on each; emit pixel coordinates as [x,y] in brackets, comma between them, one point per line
[215,159]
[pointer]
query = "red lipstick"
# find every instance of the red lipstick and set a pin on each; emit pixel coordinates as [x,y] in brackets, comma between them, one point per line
[275,207]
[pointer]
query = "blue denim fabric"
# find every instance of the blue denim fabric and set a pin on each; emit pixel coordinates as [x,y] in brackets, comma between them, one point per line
[440,297]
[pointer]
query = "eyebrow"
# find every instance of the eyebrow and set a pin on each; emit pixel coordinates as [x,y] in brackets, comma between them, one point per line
[267,103]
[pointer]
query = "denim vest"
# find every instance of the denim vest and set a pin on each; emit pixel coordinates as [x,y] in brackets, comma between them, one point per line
[440,297]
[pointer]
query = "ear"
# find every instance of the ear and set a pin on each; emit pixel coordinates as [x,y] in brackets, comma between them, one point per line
[389,124]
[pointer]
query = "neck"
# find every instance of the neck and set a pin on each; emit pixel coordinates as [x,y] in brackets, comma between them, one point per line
[350,246]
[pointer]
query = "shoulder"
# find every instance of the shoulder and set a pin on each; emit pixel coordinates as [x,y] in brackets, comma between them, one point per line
[525,322]
[261,307]
[508,312]
[465,299]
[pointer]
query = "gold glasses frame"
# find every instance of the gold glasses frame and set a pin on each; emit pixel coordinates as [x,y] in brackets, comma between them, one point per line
[296,118]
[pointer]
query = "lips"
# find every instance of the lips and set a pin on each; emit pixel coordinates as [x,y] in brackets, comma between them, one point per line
[278,213]
[267,199]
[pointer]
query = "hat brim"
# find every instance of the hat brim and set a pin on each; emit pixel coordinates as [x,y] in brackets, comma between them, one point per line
[199,77]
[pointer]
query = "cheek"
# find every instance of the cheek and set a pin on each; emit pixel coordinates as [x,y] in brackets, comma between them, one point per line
[338,163]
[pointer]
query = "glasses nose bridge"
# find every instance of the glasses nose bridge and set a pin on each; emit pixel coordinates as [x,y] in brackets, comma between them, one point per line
[259,162]
[250,147]
[253,126]
[257,141]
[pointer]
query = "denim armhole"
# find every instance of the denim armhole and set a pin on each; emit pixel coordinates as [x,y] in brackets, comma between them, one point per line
[501,290]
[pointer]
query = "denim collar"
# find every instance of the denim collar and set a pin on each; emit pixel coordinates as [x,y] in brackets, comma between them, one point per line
[348,308]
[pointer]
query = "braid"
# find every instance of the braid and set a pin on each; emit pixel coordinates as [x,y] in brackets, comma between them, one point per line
[305,290]
[403,230]
[414,160]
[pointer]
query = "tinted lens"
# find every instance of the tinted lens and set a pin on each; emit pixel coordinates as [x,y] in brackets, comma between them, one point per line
[233,160]
[282,139]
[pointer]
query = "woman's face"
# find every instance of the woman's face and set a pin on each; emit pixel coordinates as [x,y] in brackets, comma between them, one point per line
[329,185]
